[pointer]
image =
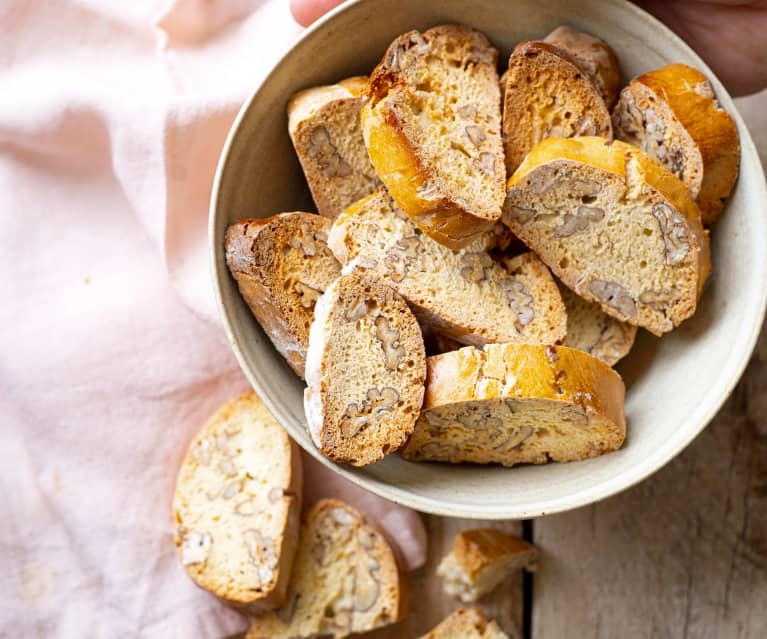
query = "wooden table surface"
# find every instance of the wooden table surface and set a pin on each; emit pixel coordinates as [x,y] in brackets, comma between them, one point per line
[681,555]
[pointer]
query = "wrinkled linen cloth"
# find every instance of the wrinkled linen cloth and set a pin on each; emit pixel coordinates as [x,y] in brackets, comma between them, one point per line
[112,116]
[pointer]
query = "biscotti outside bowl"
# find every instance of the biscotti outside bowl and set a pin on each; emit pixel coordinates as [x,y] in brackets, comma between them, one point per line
[674,385]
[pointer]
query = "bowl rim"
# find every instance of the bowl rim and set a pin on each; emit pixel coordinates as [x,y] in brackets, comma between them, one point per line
[675,444]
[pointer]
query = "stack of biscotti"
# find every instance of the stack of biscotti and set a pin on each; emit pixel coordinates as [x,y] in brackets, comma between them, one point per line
[429,175]
[236,508]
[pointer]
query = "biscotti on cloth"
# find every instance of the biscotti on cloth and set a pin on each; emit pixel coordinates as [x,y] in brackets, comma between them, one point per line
[240,466]
[345,579]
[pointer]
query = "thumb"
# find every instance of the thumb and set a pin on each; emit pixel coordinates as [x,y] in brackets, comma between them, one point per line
[307,11]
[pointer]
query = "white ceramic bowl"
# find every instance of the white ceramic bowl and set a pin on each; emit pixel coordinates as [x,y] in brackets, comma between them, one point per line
[674,385]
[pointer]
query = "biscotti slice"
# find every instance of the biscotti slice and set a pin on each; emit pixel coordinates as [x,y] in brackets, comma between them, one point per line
[464,294]
[433,131]
[466,624]
[615,226]
[236,506]
[518,404]
[672,114]
[481,559]
[282,265]
[592,55]
[324,125]
[365,371]
[592,330]
[548,96]
[345,579]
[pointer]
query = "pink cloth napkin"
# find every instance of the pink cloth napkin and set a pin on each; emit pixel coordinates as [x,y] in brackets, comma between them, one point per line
[111,355]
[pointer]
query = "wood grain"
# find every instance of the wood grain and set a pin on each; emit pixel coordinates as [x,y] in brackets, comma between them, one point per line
[682,555]
[429,605]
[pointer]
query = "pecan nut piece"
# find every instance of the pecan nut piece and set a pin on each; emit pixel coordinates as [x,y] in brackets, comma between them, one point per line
[356,418]
[389,337]
[676,238]
[324,152]
[476,266]
[615,296]
[520,301]
[400,257]
[579,221]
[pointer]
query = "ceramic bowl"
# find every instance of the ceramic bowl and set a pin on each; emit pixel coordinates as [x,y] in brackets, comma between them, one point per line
[675,385]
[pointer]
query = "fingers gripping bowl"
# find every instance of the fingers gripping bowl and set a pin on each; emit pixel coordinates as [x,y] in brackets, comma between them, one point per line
[674,386]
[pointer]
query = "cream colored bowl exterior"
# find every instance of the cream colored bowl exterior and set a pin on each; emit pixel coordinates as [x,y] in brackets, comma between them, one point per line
[675,385]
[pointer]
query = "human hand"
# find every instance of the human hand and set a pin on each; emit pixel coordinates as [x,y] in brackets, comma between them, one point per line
[727,34]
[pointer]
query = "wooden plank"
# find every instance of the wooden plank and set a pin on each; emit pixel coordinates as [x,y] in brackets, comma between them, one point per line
[429,605]
[682,555]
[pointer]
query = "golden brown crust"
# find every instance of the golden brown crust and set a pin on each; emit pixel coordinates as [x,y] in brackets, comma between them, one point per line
[541,372]
[548,95]
[689,97]
[624,173]
[395,140]
[479,548]
[594,56]
[282,264]
[215,505]
[523,390]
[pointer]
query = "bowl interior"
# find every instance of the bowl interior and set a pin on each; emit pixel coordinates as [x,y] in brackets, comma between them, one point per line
[674,385]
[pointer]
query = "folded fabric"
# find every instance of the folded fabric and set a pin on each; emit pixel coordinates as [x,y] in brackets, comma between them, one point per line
[112,118]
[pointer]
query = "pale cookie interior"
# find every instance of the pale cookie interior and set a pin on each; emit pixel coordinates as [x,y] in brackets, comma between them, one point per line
[612,240]
[345,580]
[327,134]
[282,266]
[594,56]
[593,331]
[463,294]
[232,504]
[548,96]
[452,103]
[365,371]
[508,432]
[458,583]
